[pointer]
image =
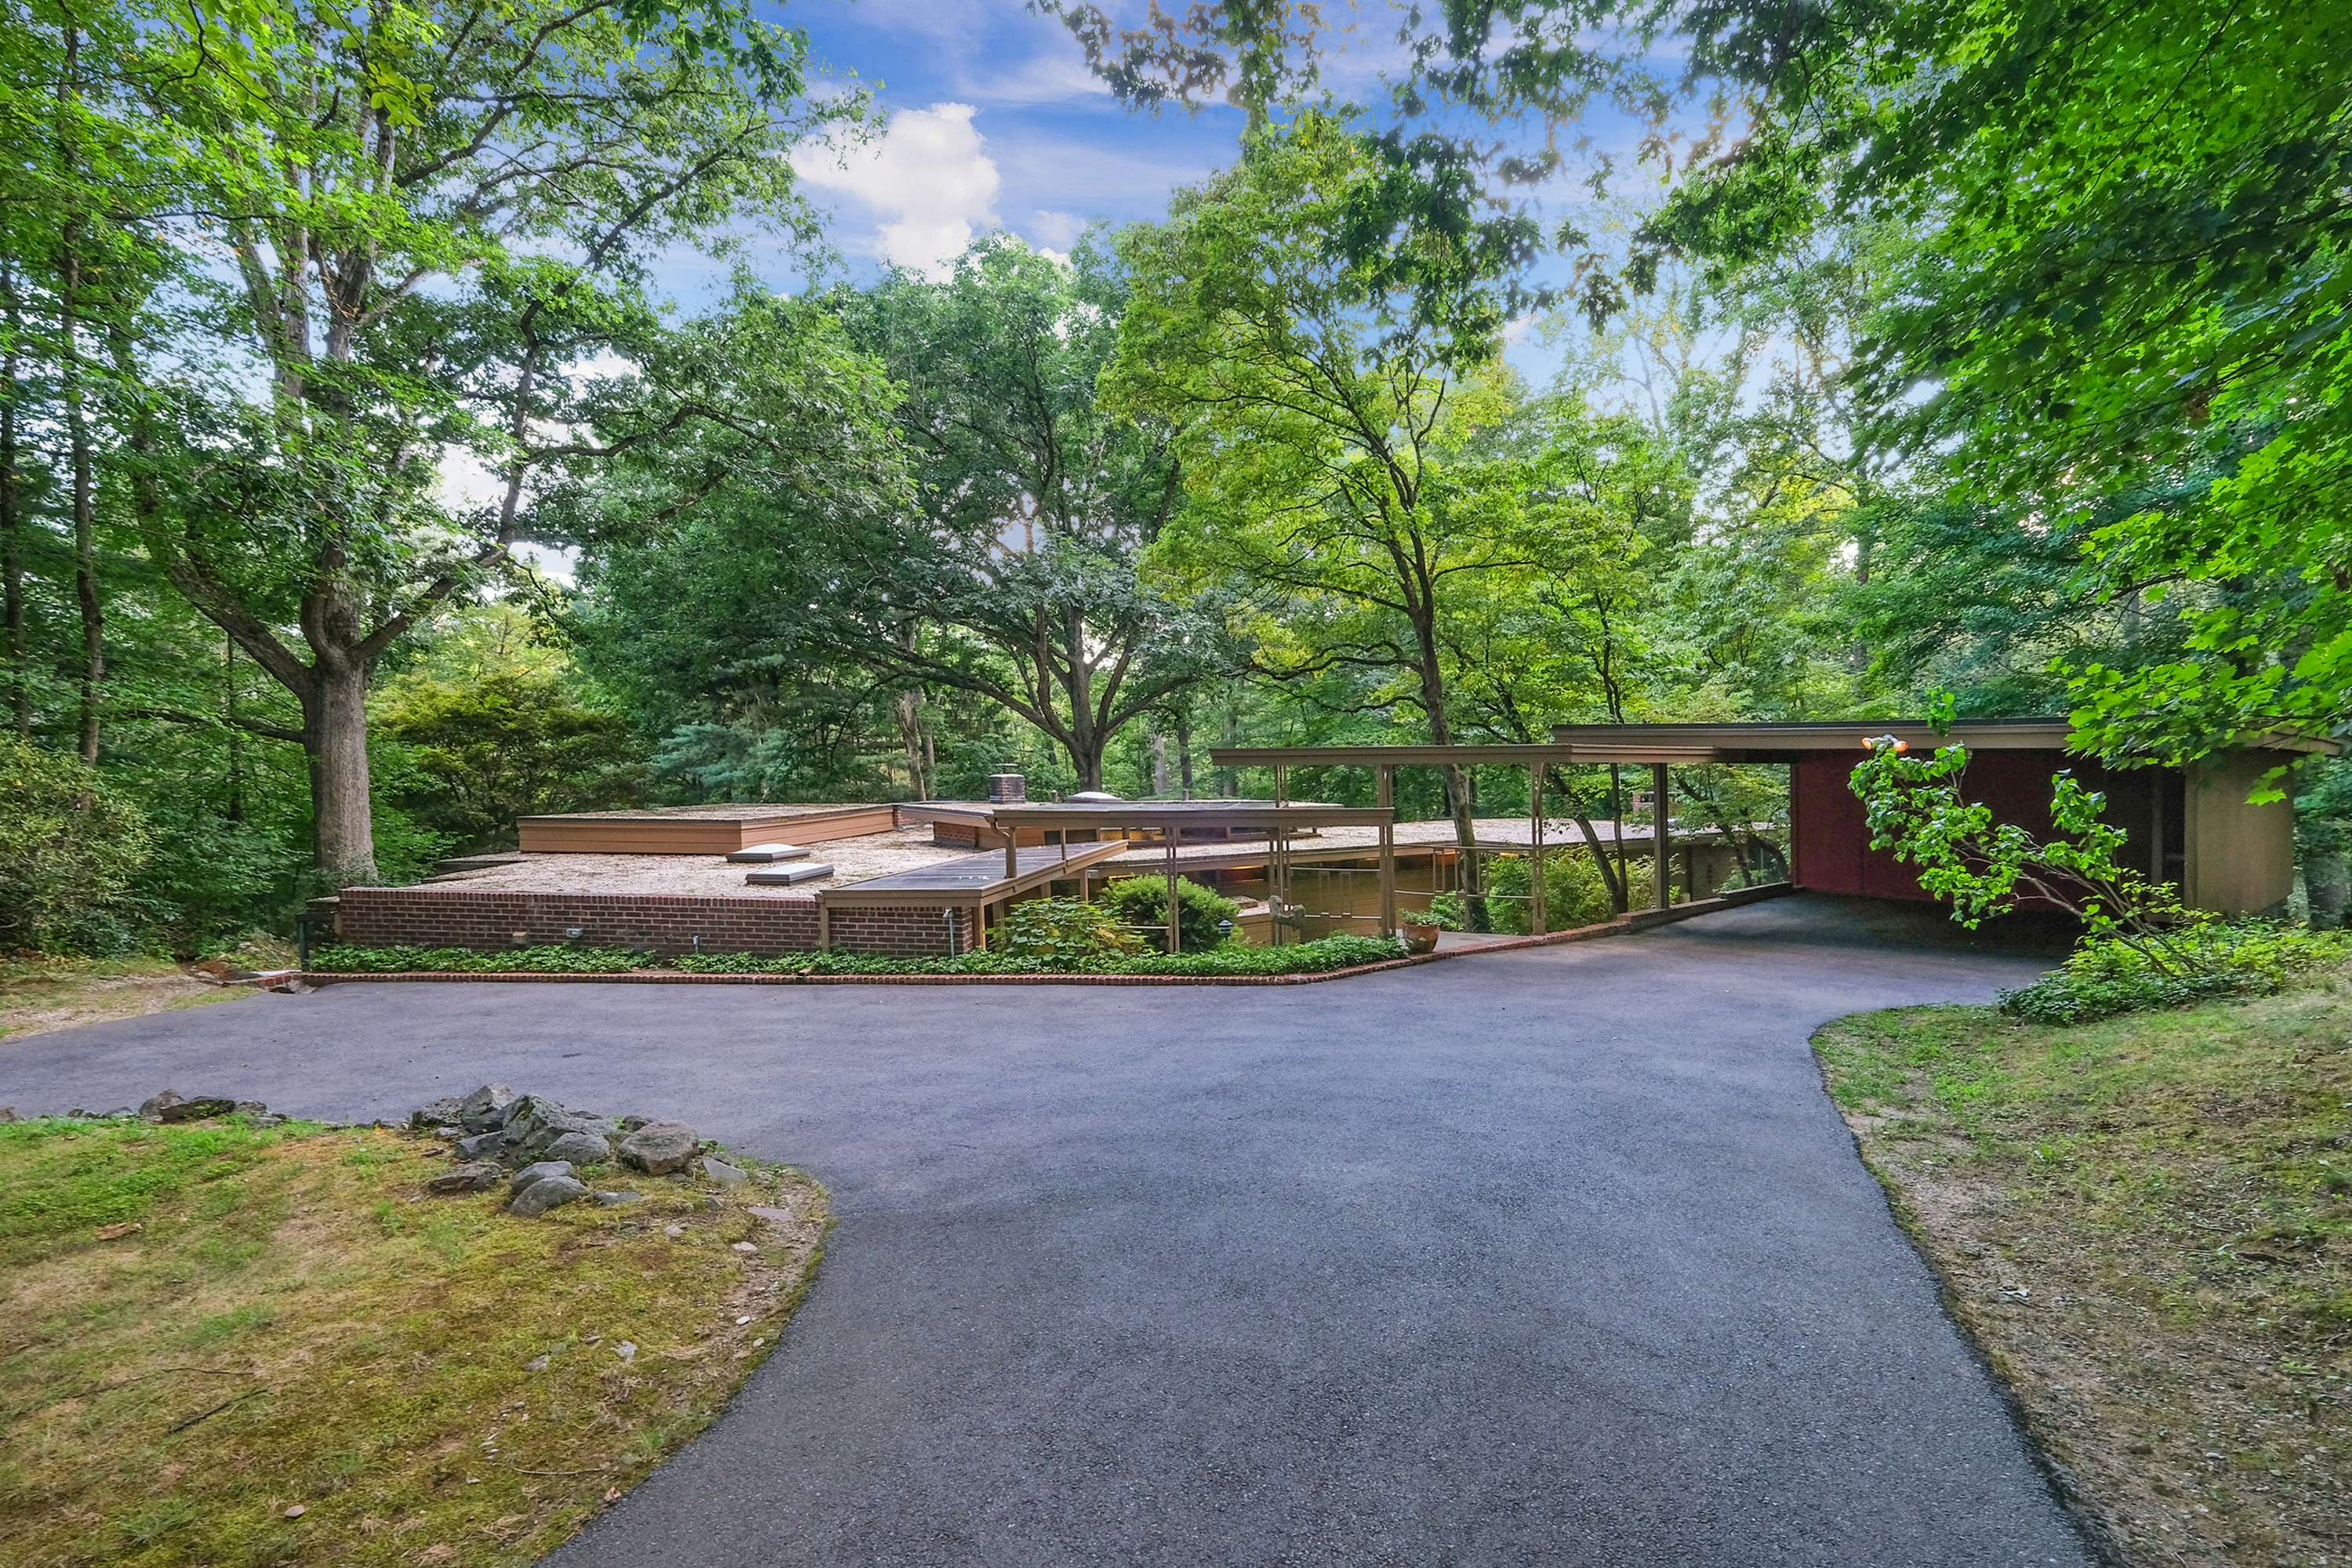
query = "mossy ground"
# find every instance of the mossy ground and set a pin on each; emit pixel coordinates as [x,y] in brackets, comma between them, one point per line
[292,1326]
[2147,1224]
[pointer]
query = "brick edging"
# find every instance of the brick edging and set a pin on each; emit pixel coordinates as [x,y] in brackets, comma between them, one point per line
[1622,925]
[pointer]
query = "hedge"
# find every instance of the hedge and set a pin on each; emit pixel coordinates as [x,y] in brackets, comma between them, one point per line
[1233,959]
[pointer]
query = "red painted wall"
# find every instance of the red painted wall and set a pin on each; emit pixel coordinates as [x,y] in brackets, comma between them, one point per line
[1834,853]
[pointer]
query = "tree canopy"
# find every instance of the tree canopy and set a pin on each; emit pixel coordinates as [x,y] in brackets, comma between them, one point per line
[1998,353]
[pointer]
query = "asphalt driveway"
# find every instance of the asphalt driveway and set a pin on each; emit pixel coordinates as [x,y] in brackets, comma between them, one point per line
[1555,1255]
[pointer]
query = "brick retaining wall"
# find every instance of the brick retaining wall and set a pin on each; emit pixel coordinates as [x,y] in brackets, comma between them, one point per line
[487,922]
[667,925]
[912,933]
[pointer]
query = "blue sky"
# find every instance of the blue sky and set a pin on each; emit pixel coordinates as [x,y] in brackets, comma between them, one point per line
[996,124]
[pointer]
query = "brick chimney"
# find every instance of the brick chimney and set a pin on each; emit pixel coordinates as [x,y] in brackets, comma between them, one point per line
[1007,789]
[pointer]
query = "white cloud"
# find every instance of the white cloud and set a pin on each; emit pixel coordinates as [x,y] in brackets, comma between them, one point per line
[1051,230]
[928,178]
[1056,76]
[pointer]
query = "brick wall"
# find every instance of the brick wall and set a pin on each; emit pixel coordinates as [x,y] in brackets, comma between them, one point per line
[902,933]
[487,922]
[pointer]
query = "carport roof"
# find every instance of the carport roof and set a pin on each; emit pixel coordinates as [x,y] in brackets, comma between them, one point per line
[1778,740]
[1760,741]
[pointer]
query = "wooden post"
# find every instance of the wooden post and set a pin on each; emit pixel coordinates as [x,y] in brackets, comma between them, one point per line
[824,925]
[1281,785]
[1011,859]
[1384,794]
[1659,834]
[1175,931]
[1536,840]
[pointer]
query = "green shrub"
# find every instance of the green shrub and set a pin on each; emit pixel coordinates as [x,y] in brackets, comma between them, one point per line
[2107,975]
[1318,957]
[1142,901]
[1234,958]
[1575,892]
[340,958]
[1446,911]
[70,844]
[501,745]
[1063,933]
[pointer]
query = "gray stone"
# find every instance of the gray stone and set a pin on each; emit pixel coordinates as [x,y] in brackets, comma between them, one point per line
[152,1109]
[486,1108]
[725,1175]
[535,1122]
[442,1112]
[249,1107]
[631,1123]
[659,1148]
[580,1148]
[547,1193]
[535,1363]
[544,1170]
[479,1145]
[614,1200]
[473,1176]
[169,1106]
[7,1114]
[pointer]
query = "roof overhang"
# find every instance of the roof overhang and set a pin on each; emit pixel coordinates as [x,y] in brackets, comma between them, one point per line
[1775,741]
[1259,814]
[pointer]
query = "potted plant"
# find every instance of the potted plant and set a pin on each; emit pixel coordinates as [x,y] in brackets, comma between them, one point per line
[1420,930]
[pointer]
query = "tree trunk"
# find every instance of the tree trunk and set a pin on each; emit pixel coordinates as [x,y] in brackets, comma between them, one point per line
[1611,876]
[1159,763]
[86,589]
[1086,747]
[1617,831]
[13,639]
[1184,752]
[235,807]
[334,739]
[908,705]
[69,376]
[1229,778]
[1458,803]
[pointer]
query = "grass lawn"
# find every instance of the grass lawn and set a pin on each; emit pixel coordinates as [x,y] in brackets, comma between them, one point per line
[40,994]
[2147,1224]
[228,1345]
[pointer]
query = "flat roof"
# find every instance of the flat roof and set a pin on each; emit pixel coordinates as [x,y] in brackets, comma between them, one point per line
[1189,814]
[1747,741]
[725,812]
[1413,841]
[852,859]
[977,879]
[1777,740]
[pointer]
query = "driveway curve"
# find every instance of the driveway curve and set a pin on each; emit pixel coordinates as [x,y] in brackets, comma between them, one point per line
[1549,1256]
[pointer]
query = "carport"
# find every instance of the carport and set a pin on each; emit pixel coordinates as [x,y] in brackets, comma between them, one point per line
[2193,827]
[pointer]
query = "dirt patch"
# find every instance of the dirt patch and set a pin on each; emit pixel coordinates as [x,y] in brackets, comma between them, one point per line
[39,995]
[2166,1288]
